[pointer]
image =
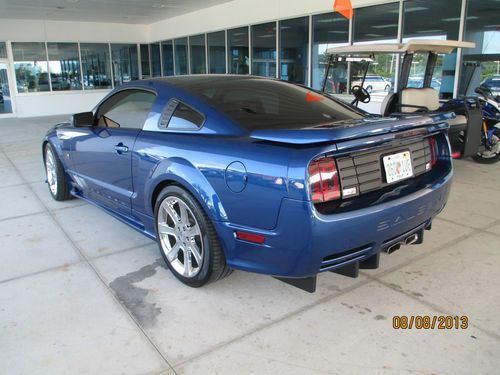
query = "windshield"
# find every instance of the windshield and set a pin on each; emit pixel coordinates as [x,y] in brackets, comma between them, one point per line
[256,103]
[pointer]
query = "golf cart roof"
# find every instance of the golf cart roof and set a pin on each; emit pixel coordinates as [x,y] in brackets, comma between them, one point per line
[416,45]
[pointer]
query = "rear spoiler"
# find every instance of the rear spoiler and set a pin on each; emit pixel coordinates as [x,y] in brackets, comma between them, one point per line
[353,129]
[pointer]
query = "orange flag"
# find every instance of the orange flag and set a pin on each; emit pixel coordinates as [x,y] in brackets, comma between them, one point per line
[344,7]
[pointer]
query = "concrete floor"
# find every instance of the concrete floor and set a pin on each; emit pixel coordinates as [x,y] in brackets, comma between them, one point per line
[81,293]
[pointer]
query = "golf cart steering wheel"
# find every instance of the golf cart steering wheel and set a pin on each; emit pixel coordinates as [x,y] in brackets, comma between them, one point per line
[361,94]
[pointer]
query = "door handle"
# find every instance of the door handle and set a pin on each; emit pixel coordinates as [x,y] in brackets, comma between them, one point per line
[120,148]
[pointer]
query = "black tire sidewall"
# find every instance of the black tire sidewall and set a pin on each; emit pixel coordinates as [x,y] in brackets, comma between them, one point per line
[205,272]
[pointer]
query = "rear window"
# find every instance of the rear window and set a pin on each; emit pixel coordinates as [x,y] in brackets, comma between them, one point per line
[266,104]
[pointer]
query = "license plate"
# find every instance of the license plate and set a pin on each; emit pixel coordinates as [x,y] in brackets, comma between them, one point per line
[398,166]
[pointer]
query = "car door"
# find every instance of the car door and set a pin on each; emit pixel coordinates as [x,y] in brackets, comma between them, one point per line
[101,158]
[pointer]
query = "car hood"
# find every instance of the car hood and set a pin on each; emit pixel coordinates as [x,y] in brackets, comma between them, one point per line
[352,129]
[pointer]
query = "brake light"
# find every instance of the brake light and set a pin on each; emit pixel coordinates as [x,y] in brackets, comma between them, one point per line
[433,146]
[324,180]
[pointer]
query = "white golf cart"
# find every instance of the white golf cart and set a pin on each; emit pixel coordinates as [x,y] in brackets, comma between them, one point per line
[465,130]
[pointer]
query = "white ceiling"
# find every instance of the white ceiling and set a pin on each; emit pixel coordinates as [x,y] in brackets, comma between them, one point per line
[116,11]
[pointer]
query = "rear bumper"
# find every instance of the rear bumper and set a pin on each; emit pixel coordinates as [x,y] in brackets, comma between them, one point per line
[306,242]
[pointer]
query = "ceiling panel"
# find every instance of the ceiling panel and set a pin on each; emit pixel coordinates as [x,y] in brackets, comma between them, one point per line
[116,11]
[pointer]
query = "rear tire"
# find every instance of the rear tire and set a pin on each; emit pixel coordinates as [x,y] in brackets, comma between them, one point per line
[187,239]
[56,176]
[493,156]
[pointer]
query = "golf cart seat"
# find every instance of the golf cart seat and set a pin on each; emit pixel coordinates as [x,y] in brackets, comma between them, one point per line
[413,99]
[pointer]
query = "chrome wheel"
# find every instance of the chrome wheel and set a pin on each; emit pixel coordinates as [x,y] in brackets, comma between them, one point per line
[50,168]
[180,236]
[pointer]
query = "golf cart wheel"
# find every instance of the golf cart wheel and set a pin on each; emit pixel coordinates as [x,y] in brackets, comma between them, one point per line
[491,155]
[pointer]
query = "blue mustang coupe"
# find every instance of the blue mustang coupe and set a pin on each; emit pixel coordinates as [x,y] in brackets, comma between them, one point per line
[241,172]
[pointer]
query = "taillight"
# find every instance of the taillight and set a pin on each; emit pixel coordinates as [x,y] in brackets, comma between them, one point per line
[434,153]
[324,180]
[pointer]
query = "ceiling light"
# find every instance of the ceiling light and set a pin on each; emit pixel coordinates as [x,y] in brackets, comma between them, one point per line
[409,10]
[159,6]
[385,26]
[429,31]
[374,35]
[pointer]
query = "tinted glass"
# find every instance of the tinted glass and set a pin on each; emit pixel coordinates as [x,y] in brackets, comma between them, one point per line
[238,60]
[96,66]
[376,23]
[3,51]
[126,109]
[64,66]
[197,51]
[185,118]
[145,67]
[263,104]
[264,49]
[30,64]
[481,27]
[294,43]
[155,59]
[168,58]
[429,19]
[217,52]
[329,30]
[125,63]
[180,46]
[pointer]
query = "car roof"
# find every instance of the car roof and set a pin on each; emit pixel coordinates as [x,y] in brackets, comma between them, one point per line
[187,81]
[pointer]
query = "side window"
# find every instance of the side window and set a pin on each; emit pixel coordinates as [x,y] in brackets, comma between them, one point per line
[183,117]
[126,109]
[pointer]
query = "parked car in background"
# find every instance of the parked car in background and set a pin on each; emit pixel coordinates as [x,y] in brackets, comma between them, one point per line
[373,83]
[492,84]
[241,172]
[418,82]
[1,97]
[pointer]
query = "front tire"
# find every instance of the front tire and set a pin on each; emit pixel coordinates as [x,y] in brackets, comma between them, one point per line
[187,239]
[56,177]
[493,155]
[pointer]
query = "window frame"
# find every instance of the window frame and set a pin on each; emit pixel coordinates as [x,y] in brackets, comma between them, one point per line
[121,91]
[168,111]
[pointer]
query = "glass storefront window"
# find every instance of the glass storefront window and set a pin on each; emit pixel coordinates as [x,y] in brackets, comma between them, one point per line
[154,48]
[329,30]
[217,52]
[3,51]
[264,49]
[145,67]
[30,64]
[181,65]
[168,58]
[238,54]
[95,65]
[125,63]
[294,44]
[427,19]
[482,62]
[197,52]
[64,66]
[376,23]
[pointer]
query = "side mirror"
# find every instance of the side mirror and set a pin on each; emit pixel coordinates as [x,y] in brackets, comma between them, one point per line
[82,119]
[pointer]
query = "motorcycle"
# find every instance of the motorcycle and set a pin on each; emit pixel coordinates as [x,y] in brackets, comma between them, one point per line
[489,151]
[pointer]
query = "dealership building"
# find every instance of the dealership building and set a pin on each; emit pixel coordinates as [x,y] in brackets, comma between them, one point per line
[87,53]
[249,187]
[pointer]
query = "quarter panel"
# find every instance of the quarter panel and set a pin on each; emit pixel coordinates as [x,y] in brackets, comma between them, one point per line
[199,163]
